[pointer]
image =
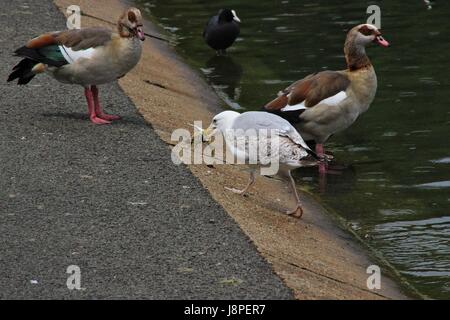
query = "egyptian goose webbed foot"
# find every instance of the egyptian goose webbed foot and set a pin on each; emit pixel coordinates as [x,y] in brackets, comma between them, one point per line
[98,109]
[92,109]
[325,159]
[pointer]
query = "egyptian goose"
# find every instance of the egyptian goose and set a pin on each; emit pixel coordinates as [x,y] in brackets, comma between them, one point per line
[87,57]
[327,102]
[289,149]
[222,30]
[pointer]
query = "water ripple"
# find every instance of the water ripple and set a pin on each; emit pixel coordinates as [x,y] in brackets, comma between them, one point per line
[434,185]
[422,247]
[442,160]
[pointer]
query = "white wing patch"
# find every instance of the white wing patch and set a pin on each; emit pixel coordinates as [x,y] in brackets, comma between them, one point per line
[334,100]
[331,101]
[71,56]
[294,107]
[298,106]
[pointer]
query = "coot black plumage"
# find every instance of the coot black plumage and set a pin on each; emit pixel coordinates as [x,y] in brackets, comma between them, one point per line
[222,30]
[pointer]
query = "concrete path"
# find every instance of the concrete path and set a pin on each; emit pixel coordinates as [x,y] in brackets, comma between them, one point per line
[105,198]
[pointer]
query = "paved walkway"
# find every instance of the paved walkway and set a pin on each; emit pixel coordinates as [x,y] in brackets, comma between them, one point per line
[105,198]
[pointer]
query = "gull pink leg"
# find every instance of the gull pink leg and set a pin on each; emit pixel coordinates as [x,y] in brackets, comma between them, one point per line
[91,107]
[98,109]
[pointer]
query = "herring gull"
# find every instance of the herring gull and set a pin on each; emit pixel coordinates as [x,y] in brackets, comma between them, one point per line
[276,139]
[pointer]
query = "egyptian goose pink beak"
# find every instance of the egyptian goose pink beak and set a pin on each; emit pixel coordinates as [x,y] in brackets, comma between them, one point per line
[140,33]
[328,102]
[372,31]
[380,40]
[87,57]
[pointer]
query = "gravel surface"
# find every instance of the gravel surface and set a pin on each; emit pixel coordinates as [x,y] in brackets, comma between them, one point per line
[105,198]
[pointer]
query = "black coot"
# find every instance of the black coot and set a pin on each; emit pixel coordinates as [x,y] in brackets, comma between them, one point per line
[222,30]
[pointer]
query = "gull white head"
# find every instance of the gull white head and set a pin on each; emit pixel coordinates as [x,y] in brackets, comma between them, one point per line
[221,122]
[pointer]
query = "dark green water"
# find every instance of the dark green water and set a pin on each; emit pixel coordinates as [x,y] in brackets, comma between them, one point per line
[396,190]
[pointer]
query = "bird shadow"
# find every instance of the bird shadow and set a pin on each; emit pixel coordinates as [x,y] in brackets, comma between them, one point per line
[138,121]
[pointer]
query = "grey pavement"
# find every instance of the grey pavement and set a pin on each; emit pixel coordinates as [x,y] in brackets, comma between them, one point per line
[105,198]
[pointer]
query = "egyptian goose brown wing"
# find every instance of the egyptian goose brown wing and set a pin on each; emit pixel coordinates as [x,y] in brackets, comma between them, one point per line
[77,39]
[83,39]
[64,47]
[307,93]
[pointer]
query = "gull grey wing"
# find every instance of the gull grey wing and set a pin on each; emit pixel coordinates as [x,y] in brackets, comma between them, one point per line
[311,90]
[259,120]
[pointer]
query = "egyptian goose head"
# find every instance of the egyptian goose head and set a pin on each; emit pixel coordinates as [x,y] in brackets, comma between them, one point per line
[355,45]
[130,24]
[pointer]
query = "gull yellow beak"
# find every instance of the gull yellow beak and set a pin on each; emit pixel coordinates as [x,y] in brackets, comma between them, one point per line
[208,133]
[198,131]
[198,134]
[202,135]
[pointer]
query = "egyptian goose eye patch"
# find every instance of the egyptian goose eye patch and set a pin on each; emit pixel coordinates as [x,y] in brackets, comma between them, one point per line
[132,16]
[367,31]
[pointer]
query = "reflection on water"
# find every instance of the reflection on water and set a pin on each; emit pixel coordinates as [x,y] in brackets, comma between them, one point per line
[433,185]
[394,189]
[443,160]
[424,245]
[224,74]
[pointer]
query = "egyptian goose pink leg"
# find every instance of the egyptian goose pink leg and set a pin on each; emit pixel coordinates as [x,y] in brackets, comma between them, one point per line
[91,107]
[98,108]
[323,163]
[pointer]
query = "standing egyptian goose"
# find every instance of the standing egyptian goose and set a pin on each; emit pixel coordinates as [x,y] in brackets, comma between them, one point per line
[87,57]
[222,30]
[276,139]
[327,102]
